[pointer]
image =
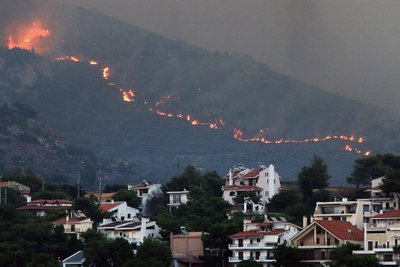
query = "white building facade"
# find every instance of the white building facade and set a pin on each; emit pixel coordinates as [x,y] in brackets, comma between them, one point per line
[258,240]
[263,181]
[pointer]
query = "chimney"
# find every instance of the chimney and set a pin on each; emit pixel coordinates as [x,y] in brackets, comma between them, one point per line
[271,178]
[143,224]
[305,221]
[230,177]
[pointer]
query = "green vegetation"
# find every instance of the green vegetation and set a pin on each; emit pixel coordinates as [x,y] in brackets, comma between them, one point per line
[129,196]
[26,239]
[102,252]
[287,256]
[151,253]
[342,256]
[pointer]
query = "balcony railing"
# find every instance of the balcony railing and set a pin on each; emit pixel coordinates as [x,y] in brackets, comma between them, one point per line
[254,245]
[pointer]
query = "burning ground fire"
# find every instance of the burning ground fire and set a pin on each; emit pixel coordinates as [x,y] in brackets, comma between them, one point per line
[238,135]
[32,36]
[29,38]
[212,124]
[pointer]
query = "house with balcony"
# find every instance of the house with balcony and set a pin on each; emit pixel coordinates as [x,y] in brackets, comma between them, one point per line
[134,231]
[263,181]
[177,198]
[118,211]
[258,240]
[382,238]
[318,239]
[359,211]
[75,223]
[145,191]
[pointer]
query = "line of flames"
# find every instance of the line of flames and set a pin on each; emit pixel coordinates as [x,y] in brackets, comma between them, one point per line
[238,134]
[27,38]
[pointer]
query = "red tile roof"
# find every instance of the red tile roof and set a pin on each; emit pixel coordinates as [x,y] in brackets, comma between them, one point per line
[252,233]
[108,206]
[242,187]
[70,220]
[143,185]
[342,230]
[34,207]
[252,174]
[388,214]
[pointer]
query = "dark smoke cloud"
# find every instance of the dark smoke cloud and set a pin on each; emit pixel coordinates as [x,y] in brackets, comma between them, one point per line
[348,47]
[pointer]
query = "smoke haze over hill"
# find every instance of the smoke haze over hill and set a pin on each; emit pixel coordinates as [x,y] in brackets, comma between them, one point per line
[347,47]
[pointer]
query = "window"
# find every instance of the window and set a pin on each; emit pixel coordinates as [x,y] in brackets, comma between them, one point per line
[232,194]
[365,208]
[328,241]
[72,227]
[259,240]
[129,215]
[317,240]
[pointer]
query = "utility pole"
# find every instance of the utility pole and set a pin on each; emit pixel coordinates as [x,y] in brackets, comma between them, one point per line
[79,184]
[100,186]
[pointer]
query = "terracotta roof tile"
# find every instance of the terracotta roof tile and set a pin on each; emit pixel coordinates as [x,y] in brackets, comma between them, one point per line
[252,174]
[108,206]
[242,187]
[34,207]
[388,214]
[342,230]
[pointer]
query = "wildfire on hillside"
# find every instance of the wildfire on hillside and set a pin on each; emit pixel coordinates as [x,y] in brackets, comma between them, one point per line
[29,37]
[212,123]
[238,134]
[128,96]
[32,36]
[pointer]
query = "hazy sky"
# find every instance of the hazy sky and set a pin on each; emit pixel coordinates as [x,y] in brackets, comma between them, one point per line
[351,47]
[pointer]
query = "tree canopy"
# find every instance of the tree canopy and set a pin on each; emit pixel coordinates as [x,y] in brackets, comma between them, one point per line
[342,256]
[314,176]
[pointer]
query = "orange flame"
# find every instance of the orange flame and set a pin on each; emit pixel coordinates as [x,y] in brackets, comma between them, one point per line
[106,73]
[239,135]
[128,96]
[29,38]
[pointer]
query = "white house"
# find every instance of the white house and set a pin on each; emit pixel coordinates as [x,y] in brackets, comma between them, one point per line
[133,231]
[75,223]
[119,211]
[264,181]
[258,240]
[382,236]
[145,191]
[177,198]
[359,211]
